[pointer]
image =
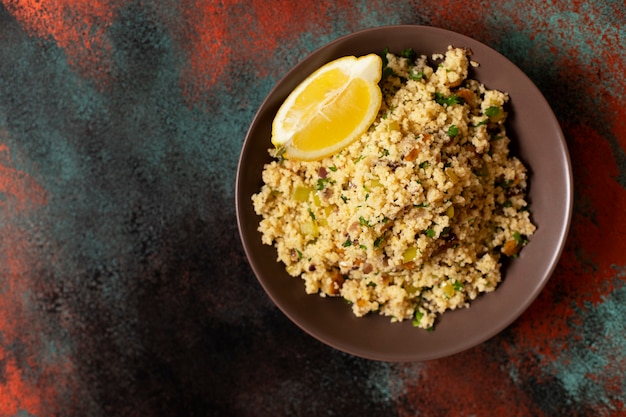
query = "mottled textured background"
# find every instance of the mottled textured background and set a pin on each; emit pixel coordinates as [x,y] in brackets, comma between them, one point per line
[124,290]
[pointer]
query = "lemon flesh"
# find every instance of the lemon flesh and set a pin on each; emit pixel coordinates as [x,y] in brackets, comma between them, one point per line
[329,109]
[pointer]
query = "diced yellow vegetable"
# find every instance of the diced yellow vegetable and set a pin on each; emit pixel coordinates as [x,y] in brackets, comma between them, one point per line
[310,229]
[373,183]
[411,289]
[302,193]
[452,175]
[409,254]
[393,126]
[448,289]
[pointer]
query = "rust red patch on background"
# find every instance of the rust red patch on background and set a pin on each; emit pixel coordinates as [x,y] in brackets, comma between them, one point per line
[585,275]
[218,35]
[18,190]
[203,35]
[470,382]
[16,393]
[20,193]
[77,26]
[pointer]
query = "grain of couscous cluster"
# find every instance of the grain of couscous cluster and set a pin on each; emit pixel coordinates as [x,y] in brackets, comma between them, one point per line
[411,219]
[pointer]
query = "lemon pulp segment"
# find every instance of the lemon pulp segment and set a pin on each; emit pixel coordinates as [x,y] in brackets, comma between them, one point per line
[329,109]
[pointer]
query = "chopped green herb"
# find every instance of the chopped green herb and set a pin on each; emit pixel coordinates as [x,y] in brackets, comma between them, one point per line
[311,214]
[383,56]
[280,151]
[448,101]
[457,286]
[363,247]
[492,111]
[505,184]
[424,165]
[408,53]
[299,254]
[379,241]
[416,76]
[359,159]
[364,222]
[421,205]
[384,152]
[519,239]
[387,71]
[484,122]
[333,168]
[347,243]
[344,198]
[371,284]
[417,319]
[430,233]
[453,131]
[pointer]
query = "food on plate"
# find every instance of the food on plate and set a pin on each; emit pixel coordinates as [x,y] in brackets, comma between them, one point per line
[414,216]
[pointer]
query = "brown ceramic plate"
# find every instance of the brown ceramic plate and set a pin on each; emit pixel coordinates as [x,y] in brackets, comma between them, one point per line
[540,144]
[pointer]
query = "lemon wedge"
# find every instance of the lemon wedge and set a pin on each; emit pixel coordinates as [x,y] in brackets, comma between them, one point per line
[329,109]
